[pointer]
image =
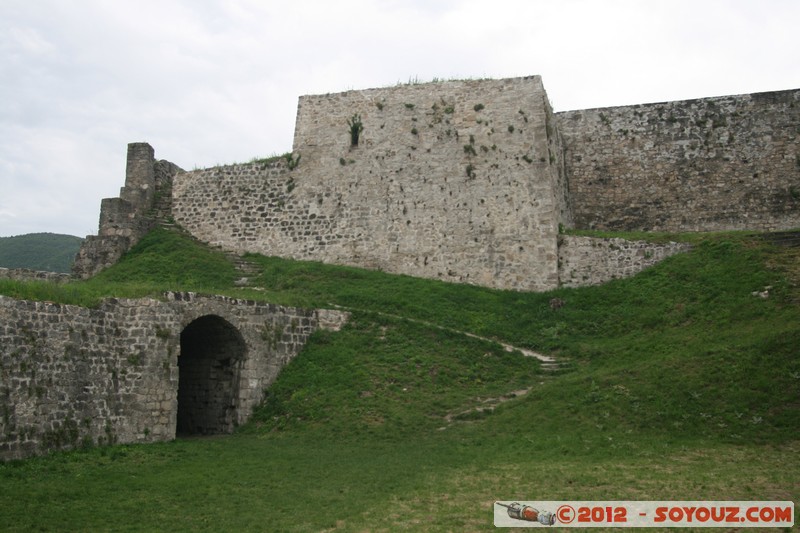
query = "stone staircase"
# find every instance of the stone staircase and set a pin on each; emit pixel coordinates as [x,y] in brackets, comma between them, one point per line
[161,215]
[161,210]
[783,238]
[248,270]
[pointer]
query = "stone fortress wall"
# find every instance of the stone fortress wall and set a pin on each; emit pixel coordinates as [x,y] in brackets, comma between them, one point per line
[468,181]
[584,261]
[471,181]
[25,274]
[459,181]
[139,370]
[713,164]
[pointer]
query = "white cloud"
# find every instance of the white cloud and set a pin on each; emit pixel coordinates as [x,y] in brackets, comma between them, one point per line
[208,82]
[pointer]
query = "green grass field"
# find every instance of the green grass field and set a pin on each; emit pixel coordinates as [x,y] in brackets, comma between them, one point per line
[677,384]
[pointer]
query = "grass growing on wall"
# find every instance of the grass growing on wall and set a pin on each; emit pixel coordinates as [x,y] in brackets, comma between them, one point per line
[681,385]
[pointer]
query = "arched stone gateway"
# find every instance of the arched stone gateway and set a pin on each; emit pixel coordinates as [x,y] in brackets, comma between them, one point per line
[141,370]
[210,362]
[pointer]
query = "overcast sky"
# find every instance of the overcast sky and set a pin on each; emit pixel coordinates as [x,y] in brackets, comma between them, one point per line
[212,82]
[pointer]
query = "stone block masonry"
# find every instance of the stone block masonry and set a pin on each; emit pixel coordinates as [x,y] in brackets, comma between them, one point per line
[458,181]
[126,219]
[470,181]
[584,261]
[713,164]
[139,370]
[24,274]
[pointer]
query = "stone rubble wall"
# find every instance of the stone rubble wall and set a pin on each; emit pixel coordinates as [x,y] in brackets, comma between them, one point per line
[24,274]
[72,376]
[584,261]
[712,164]
[459,181]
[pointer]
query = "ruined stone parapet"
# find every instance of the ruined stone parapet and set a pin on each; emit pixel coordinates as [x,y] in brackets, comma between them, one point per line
[24,274]
[140,180]
[584,261]
[97,253]
[144,200]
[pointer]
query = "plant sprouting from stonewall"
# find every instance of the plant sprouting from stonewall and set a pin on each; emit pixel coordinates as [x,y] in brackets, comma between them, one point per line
[356,127]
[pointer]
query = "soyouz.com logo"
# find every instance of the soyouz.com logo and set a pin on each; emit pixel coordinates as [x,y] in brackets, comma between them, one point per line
[644,513]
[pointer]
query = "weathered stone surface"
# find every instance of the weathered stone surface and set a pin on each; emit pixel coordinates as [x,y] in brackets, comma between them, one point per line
[469,181]
[459,181]
[71,375]
[24,274]
[586,261]
[725,163]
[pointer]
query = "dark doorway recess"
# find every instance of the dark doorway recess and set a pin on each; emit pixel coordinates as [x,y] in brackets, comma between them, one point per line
[212,352]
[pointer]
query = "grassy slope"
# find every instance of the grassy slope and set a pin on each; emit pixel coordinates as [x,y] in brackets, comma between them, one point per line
[39,251]
[683,385]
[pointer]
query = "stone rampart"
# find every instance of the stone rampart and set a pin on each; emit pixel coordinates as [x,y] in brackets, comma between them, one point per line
[24,274]
[139,370]
[459,181]
[586,261]
[465,181]
[712,164]
[469,181]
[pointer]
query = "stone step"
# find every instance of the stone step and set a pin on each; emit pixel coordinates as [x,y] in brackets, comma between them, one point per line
[246,267]
[783,238]
[554,367]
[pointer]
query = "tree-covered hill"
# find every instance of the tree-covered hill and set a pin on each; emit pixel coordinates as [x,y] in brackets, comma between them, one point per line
[39,251]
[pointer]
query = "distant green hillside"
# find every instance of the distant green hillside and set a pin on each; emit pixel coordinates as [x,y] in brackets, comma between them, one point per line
[39,251]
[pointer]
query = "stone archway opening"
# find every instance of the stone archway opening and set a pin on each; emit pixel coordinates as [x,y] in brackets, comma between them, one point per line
[211,356]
